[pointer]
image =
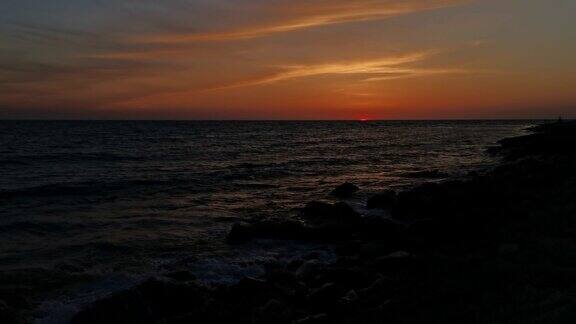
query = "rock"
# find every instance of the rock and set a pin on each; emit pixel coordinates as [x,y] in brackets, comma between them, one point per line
[374,249]
[380,287]
[349,299]
[506,249]
[241,232]
[324,296]
[172,298]
[181,276]
[345,190]
[249,285]
[3,307]
[15,299]
[322,213]
[272,312]
[69,267]
[400,260]
[294,264]
[8,315]
[381,228]
[383,200]
[309,269]
[314,319]
[291,288]
[312,255]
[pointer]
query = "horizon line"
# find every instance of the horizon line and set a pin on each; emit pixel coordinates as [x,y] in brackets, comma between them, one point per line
[282,120]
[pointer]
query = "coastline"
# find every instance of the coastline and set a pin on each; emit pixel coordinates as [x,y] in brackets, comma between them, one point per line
[476,242]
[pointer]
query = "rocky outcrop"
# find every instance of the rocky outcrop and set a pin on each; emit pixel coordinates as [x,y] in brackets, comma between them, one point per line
[345,190]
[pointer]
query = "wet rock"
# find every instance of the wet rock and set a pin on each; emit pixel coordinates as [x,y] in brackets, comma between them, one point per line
[348,248]
[506,249]
[309,269]
[249,285]
[324,296]
[381,228]
[345,190]
[15,299]
[383,200]
[69,267]
[400,260]
[312,255]
[379,288]
[375,249]
[172,298]
[350,298]
[291,288]
[9,315]
[294,264]
[181,276]
[273,312]
[241,232]
[314,319]
[325,214]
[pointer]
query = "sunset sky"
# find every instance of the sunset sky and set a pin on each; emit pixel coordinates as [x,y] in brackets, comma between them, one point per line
[287,59]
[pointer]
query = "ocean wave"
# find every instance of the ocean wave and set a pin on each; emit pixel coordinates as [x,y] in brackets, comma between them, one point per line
[77,157]
[12,162]
[40,227]
[76,189]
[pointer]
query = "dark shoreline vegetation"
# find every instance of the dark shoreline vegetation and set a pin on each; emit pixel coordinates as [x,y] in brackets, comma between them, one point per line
[497,246]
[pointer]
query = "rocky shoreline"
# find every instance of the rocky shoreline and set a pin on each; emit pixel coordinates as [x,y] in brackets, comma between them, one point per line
[497,246]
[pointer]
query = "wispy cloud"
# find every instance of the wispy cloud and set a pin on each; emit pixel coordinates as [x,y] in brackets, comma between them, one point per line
[296,15]
[368,70]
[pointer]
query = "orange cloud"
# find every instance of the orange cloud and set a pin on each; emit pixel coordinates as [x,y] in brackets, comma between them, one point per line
[376,70]
[292,16]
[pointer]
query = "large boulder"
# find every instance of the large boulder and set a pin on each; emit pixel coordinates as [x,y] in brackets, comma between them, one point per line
[383,200]
[320,213]
[309,269]
[345,190]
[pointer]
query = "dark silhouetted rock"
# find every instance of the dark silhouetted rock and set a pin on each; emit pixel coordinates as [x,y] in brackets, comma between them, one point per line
[241,232]
[383,200]
[309,269]
[181,276]
[323,213]
[399,261]
[9,315]
[325,296]
[372,250]
[345,190]
[381,228]
[350,298]
[314,319]
[249,285]
[273,312]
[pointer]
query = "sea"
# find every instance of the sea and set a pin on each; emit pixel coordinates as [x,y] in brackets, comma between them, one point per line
[91,207]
